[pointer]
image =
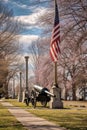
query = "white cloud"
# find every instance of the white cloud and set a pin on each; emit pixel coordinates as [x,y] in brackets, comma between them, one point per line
[26,20]
[27,39]
[32,18]
[5,0]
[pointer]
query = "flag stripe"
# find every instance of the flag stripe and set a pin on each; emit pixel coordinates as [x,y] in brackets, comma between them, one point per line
[55,39]
[55,31]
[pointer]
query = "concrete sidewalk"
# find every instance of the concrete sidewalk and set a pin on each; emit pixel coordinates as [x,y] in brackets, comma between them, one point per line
[30,121]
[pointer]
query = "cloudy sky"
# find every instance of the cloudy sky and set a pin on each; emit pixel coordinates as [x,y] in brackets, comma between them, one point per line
[27,12]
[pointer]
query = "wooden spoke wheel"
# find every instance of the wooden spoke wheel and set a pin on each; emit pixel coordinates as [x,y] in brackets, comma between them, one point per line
[33,101]
[27,102]
[44,103]
[33,98]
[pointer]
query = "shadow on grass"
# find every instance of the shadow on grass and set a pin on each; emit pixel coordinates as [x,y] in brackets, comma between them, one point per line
[18,124]
[43,127]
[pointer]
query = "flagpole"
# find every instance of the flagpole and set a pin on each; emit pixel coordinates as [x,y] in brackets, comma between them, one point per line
[54,51]
[55,74]
[55,63]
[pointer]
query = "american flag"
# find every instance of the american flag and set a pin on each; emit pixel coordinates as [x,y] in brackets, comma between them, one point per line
[55,39]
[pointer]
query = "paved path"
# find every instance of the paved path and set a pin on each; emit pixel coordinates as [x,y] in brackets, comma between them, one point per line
[30,121]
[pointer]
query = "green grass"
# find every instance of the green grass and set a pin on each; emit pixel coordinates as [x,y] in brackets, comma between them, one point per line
[72,117]
[74,104]
[7,121]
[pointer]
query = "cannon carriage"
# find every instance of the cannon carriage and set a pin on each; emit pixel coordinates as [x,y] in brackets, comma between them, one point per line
[40,94]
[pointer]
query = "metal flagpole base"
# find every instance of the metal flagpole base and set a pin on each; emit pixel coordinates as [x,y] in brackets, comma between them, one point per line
[56,102]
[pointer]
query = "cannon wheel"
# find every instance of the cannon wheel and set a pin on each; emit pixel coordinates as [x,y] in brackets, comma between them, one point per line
[33,98]
[33,101]
[26,102]
[44,103]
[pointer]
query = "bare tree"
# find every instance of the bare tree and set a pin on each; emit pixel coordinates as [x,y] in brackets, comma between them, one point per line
[8,43]
[73,15]
[73,62]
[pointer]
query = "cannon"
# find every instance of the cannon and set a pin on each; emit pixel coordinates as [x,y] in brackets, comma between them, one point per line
[40,94]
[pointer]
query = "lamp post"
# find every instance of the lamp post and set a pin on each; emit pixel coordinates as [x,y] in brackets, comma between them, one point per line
[26,60]
[20,89]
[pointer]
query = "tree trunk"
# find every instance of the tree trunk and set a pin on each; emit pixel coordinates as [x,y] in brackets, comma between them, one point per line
[73,92]
[84,94]
[6,90]
[65,94]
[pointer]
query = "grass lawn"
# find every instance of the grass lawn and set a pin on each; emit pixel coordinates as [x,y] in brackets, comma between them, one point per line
[7,121]
[72,117]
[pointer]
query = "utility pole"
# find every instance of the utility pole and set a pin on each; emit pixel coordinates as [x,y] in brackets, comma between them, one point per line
[26,60]
[20,89]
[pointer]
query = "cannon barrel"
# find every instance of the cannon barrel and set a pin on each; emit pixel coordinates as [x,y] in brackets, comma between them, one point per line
[49,93]
[43,90]
[37,88]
